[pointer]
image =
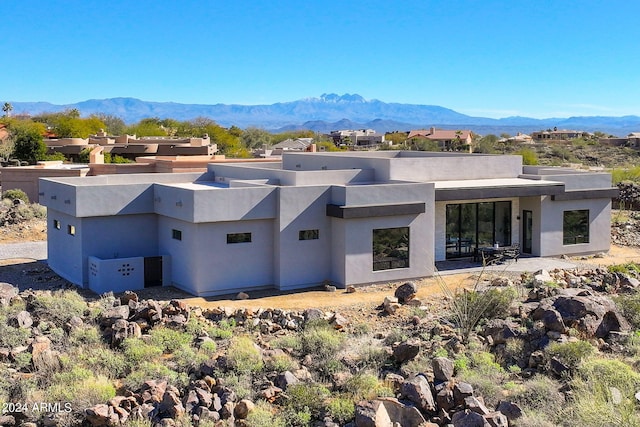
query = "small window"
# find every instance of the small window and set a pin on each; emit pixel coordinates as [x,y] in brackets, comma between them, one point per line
[575,227]
[308,234]
[56,224]
[176,234]
[239,238]
[390,248]
[71,230]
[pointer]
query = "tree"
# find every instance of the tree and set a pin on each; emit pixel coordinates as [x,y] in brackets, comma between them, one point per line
[254,137]
[27,142]
[7,108]
[114,124]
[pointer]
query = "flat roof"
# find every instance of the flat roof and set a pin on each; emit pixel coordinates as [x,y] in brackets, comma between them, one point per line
[493,182]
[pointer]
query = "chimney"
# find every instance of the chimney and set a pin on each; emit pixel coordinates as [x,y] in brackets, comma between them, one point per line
[96,156]
[432,130]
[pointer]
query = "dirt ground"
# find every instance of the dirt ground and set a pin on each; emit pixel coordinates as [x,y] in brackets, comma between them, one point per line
[30,231]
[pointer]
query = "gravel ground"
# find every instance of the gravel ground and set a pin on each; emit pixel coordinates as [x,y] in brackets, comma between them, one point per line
[24,250]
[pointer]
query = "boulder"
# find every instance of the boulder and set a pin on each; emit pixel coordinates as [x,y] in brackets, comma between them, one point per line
[7,291]
[461,390]
[285,379]
[474,404]
[511,410]
[390,305]
[22,319]
[468,418]
[442,368]
[109,316]
[497,419]
[7,420]
[407,350]
[388,412]
[242,409]
[418,391]
[101,415]
[406,292]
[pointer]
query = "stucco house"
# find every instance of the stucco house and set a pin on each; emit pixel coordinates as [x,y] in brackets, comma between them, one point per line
[351,218]
[446,139]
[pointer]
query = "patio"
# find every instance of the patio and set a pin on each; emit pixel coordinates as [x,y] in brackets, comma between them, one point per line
[524,264]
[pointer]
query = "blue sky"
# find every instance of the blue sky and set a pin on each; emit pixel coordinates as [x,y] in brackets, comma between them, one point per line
[490,58]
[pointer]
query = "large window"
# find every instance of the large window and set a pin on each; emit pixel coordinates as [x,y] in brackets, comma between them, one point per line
[390,248]
[308,234]
[239,238]
[575,227]
[473,225]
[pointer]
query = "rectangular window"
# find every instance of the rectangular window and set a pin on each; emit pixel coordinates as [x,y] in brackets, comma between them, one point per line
[575,227]
[308,234]
[176,234]
[239,238]
[71,230]
[390,248]
[56,224]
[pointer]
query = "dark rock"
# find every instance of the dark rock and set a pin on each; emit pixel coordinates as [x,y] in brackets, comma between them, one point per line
[311,314]
[497,419]
[418,391]
[7,291]
[461,390]
[153,391]
[387,412]
[406,292]
[468,418]
[500,330]
[442,368]
[474,404]
[285,379]
[7,420]
[101,415]
[444,399]
[511,410]
[21,320]
[109,316]
[558,367]
[171,404]
[242,409]
[406,351]
[127,297]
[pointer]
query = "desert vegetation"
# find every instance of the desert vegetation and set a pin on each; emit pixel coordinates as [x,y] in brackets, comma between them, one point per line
[551,348]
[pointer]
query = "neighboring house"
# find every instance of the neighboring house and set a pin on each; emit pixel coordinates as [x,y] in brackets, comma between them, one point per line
[558,135]
[519,138]
[631,140]
[359,138]
[448,140]
[130,147]
[298,144]
[349,217]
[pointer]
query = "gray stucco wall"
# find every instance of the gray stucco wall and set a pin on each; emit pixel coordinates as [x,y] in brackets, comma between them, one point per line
[552,221]
[302,263]
[64,251]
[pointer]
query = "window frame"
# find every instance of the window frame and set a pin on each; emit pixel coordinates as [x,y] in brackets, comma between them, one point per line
[234,238]
[391,263]
[582,224]
[176,234]
[56,224]
[311,234]
[71,230]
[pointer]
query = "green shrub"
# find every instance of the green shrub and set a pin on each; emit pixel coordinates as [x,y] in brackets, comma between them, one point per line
[486,376]
[341,410]
[529,157]
[366,386]
[539,394]
[263,415]
[309,396]
[570,353]
[630,268]
[81,392]
[281,363]
[100,360]
[15,194]
[321,340]
[154,371]
[23,361]
[293,342]
[630,307]
[224,330]
[136,351]
[58,306]
[243,356]
[169,340]
[12,337]
[85,335]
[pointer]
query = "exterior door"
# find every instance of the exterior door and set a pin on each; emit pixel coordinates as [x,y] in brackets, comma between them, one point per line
[527,231]
[152,271]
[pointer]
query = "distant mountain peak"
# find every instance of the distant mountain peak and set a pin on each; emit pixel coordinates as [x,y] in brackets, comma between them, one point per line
[347,97]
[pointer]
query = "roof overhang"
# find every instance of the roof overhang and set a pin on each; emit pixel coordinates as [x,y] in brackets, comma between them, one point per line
[597,193]
[495,189]
[369,211]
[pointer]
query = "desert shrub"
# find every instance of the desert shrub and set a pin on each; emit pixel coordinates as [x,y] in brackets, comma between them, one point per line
[630,307]
[594,402]
[241,384]
[169,340]
[15,194]
[341,410]
[570,353]
[321,340]
[281,363]
[81,388]
[529,157]
[136,351]
[307,398]
[184,359]
[23,361]
[85,335]
[244,356]
[224,329]
[539,397]
[100,360]
[208,349]
[366,386]
[263,415]
[470,307]
[10,336]
[58,306]
[630,268]
[485,374]
[154,371]
[396,336]
[293,342]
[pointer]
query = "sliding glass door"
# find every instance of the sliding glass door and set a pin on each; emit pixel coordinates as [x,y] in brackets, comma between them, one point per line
[473,225]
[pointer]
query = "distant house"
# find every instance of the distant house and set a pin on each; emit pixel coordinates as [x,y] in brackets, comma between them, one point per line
[298,144]
[448,140]
[362,137]
[631,140]
[558,135]
[519,138]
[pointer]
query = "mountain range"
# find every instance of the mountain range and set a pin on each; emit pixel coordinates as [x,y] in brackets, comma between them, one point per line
[331,112]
